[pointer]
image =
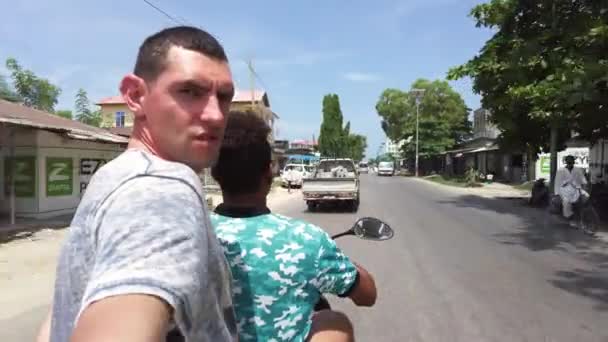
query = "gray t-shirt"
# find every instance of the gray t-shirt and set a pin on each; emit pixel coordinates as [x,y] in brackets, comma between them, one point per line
[142,227]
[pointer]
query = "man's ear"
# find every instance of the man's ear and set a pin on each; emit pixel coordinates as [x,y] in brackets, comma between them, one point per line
[134,89]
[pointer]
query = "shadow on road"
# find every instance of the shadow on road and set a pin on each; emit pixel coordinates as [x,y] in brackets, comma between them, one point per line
[541,231]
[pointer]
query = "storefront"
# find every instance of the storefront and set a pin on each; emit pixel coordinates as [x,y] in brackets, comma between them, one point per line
[45,167]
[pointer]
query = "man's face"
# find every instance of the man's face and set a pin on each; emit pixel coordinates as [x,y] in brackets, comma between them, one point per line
[186,108]
[570,163]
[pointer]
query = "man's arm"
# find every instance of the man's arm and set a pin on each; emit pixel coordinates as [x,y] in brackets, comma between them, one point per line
[44,335]
[128,318]
[340,276]
[363,292]
[148,263]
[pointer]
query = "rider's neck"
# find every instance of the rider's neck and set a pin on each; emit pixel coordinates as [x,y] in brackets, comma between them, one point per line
[254,200]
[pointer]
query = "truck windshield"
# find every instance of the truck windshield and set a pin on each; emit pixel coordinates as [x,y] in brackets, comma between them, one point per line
[385,165]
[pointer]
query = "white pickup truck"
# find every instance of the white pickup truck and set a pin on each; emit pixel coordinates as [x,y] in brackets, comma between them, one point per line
[335,181]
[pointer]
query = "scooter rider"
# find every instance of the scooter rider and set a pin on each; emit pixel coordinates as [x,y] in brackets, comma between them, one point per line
[280,266]
[568,185]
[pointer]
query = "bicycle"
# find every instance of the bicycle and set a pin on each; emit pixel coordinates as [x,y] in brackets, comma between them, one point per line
[585,217]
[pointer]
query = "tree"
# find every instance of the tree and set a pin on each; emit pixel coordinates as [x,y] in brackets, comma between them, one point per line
[65,114]
[443,117]
[356,146]
[545,67]
[83,110]
[34,91]
[335,140]
[330,136]
[6,92]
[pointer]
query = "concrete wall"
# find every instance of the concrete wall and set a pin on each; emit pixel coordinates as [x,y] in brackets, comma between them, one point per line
[43,145]
[25,146]
[53,145]
[598,162]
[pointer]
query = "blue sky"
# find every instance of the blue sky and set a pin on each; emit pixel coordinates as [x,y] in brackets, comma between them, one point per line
[301,49]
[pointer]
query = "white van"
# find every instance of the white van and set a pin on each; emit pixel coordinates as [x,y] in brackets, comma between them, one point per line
[386,168]
[363,167]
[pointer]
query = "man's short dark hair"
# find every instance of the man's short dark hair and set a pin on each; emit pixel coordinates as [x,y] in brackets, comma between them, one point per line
[245,155]
[153,51]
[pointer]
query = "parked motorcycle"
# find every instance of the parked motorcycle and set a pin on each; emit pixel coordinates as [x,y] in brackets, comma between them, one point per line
[540,194]
[367,228]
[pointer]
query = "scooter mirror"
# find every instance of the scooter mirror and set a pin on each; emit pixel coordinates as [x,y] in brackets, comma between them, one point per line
[371,228]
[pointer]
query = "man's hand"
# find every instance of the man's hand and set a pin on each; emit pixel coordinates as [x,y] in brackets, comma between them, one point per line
[128,318]
[44,335]
[364,293]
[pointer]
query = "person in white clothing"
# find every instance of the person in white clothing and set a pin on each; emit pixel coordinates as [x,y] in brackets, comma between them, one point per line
[568,185]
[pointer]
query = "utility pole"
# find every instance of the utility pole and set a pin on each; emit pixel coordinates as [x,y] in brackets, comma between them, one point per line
[418,93]
[252,82]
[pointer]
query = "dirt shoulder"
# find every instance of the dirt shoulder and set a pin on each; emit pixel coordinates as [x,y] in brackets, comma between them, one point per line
[27,263]
[492,190]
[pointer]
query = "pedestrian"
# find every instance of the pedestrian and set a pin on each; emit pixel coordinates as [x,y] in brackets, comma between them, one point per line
[141,258]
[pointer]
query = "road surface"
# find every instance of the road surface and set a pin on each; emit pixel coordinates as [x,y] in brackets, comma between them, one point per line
[467,268]
[460,268]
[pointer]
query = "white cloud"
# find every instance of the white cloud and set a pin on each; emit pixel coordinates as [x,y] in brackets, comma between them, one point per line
[361,77]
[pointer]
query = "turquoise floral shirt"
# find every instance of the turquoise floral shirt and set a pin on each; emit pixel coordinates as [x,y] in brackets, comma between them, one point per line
[280,266]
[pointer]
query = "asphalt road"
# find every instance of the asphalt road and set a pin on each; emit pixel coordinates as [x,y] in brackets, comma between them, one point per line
[460,268]
[467,268]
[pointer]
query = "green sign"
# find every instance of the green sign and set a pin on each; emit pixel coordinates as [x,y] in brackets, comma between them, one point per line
[59,177]
[545,164]
[25,175]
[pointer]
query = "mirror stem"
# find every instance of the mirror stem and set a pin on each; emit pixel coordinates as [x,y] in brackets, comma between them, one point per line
[348,232]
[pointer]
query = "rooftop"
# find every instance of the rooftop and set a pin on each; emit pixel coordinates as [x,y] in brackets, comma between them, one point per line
[16,114]
[240,95]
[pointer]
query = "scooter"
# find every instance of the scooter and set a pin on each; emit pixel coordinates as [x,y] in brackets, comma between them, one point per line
[367,228]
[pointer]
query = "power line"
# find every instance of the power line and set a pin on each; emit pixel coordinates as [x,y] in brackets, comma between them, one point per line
[165,13]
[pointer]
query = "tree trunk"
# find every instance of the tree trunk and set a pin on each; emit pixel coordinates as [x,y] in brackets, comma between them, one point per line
[553,151]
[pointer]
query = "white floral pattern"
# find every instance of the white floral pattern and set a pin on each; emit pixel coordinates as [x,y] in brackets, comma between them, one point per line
[280,266]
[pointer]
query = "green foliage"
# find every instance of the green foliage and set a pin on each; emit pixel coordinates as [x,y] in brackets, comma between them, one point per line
[443,117]
[6,92]
[546,66]
[336,140]
[32,90]
[65,114]
[331,133]
[83,110]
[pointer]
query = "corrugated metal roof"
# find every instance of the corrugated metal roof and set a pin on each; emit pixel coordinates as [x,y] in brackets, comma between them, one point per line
[20,115]
[122,131]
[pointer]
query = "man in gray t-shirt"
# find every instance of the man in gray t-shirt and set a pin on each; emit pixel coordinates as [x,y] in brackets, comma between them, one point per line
[141,257]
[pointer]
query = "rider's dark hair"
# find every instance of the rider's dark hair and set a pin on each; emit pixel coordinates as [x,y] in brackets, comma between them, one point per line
[152,56]
[245,156]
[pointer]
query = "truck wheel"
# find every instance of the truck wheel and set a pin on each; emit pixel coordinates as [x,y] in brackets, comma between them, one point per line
[311,206]
[354,206]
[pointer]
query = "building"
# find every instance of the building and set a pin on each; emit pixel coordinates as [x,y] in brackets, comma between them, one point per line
[483,154]
[46,161]
[393,148]
[310,145]
[118,118]
[115,113]
[258,102]
[482,126]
